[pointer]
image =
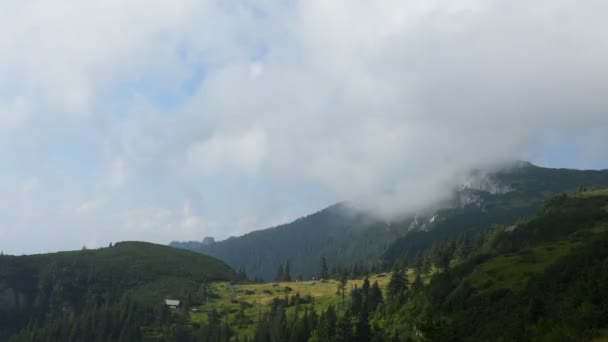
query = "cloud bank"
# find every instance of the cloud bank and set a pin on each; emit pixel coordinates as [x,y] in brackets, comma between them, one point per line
[158,120]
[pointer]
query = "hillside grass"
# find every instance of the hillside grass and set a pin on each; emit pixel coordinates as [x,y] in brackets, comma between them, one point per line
[593,193]
[255,298]
[513,271]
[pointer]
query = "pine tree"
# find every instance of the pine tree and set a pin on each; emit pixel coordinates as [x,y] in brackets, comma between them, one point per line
[165,316]
[397,284]
[426,265]
[365,286]
[280,273]
[463,247]
[374,298]
[356,301]
[441,255]
[417,284]
[287,275]
[362,329]
[324,274]
[418,263]
[344,329]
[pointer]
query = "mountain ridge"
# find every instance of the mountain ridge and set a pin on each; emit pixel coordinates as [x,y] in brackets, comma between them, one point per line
[483,200]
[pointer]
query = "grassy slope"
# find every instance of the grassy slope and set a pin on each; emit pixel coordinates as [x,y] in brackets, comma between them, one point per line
[255,298]
[512,270]
[531,262]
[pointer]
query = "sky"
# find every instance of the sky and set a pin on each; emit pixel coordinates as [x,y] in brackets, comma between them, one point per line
[173,120]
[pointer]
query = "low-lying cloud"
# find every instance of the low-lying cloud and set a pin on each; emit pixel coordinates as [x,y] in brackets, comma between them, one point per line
[385,102]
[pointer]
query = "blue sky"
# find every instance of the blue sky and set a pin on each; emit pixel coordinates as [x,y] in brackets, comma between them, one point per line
[159,121]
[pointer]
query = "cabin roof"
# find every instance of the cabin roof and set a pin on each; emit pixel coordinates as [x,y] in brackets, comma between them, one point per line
[172,302]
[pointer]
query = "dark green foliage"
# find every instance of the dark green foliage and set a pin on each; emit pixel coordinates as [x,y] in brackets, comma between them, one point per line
[563,302]
[109,292]
[339,233]
[348,324]
[397,285]
[119,322]
[324,271]
[280,273]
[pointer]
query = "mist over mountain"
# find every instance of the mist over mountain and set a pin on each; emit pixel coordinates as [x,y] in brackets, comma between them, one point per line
[346,234]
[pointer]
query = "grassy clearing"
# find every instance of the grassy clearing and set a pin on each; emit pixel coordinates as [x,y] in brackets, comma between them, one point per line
[242,304]
[253,300]
[513,271]
[592,193]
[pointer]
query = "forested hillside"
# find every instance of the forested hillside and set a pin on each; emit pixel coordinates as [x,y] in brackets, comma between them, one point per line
[339,233]
[346,237]
[543,280]
[105,294]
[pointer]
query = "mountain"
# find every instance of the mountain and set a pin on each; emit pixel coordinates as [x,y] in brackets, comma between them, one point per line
[346,237]
[41,290]
[544,279]
[499,198]
[338,233]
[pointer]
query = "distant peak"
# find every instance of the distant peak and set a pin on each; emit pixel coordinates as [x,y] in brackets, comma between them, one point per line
[523,164]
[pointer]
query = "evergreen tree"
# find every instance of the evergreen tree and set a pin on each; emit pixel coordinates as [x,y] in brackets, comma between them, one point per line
[441,256]
[280,273]
[287,275]
[374,298]
[344,329]
[356,301]
[418,263]
[362,329]
[365,286]
[397,284]
[417,284]
[426,265]
[324,272]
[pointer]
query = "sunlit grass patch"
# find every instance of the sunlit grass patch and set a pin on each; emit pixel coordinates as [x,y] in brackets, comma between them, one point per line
[513,271]
[254,299]
[592,193]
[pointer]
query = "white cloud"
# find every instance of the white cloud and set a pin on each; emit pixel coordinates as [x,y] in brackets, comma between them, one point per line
[245,151]
[389,101]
